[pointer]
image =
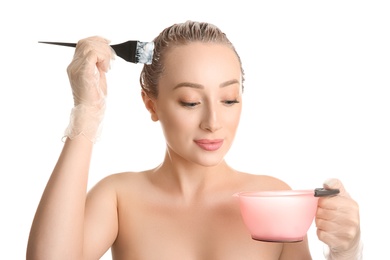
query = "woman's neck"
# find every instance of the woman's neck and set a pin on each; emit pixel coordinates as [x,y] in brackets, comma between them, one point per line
[188,179]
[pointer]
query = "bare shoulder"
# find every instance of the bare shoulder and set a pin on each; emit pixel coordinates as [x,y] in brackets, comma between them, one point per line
[119,182]
[260,182]
[116,180]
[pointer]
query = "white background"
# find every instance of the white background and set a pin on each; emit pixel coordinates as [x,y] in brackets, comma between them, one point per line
[316,100]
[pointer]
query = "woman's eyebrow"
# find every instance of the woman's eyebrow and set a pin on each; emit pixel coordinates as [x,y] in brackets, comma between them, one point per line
[188,85]
[200,86]
[229,82]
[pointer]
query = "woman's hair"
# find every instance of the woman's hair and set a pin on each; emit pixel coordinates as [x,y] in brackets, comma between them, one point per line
[176,35]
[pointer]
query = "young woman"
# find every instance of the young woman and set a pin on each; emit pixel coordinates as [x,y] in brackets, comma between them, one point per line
[182,209]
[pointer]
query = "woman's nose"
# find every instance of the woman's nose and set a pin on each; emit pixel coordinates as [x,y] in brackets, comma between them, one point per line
[211,120]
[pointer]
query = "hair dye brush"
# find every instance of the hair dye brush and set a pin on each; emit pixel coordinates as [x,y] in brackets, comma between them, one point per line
[131,51]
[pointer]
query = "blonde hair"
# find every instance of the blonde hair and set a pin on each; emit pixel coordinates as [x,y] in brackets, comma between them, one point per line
[175,35]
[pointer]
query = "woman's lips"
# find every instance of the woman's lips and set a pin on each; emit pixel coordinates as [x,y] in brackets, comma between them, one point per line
[209,145]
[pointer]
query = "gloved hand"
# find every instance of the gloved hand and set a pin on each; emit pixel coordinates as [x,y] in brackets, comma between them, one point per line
[338,224]
[87,76]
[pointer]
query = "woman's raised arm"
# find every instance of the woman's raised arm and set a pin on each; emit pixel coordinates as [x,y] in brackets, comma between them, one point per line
[58,229]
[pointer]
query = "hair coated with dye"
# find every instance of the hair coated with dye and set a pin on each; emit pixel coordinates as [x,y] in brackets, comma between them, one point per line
[176,35]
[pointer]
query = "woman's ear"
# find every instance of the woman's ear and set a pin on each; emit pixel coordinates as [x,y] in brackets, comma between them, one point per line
[150,105]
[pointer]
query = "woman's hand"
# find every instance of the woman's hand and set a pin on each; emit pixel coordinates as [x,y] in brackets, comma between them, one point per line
[87,76]
[338,223]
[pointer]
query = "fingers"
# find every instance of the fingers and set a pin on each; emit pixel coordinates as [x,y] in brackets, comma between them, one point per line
[87,70]
[341,219]
[337,218]
[97,52]
[337,242]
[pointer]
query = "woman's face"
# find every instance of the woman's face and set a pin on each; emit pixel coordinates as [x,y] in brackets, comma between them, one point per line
[199,101]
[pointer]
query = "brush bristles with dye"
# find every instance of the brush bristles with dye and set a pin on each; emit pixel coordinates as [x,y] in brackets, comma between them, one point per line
[144,52]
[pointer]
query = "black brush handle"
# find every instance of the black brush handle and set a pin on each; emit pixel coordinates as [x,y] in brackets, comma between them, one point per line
[126,50]
[62,43]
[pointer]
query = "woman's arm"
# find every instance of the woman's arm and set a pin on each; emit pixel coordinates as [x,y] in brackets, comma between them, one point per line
[59,229]
[58,226]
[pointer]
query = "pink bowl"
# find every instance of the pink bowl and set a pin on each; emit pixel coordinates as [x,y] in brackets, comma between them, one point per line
[278,216]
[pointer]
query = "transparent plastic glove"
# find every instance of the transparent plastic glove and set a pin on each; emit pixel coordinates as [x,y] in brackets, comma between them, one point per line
[87,76]
[338,224]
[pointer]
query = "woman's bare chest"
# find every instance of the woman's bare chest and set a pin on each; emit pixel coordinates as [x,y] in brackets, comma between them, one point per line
[199,231]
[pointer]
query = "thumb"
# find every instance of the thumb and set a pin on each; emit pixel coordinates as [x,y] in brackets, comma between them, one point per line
[334,183]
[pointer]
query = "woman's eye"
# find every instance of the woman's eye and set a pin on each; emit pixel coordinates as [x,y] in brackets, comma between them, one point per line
[231,102]
[189,104]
